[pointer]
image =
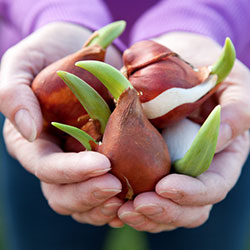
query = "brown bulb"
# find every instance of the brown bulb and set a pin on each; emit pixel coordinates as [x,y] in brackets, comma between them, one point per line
[57,102]
[138,154]
[154,70]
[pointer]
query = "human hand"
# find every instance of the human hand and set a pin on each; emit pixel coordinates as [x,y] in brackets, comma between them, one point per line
[21,63]
[232,94]
[69,181]
[75,184]
[183,201]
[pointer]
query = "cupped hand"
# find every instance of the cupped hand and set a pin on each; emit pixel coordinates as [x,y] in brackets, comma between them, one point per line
[184,201]
[76,184]
[21,63]
[233,93]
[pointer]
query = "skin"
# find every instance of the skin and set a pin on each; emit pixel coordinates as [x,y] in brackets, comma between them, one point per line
[70,182]
[74,184]
[183,201]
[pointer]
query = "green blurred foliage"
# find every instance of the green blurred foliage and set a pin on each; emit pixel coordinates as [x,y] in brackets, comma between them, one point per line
[126,238]
[2,247]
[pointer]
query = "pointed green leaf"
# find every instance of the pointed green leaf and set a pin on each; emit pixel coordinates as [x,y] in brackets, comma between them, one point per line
[199,156]
[92,102]
[112,78]
[225,63]
[105,36]
[77,133]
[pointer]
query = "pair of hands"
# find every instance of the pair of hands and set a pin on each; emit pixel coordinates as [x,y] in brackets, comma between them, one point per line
[78,184]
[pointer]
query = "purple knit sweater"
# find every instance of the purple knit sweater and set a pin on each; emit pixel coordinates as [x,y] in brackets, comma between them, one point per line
[146,18]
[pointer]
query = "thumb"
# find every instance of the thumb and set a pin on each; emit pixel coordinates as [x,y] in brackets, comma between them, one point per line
[17,100]
[23,61]
[235,106]
[234,121]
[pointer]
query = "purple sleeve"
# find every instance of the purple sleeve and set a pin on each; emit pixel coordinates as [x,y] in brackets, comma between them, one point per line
[29,15]
[214,18]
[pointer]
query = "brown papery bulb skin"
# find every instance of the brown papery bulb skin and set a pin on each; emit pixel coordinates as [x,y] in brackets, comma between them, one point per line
[153,68]
[138,154]
[92,127]
[57,101]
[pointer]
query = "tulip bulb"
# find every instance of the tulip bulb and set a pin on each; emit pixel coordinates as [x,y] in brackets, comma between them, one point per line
[170,88]
[179,137]
[138,154]
[57,101]
[137,151]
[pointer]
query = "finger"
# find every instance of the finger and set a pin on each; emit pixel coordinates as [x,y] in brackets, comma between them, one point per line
[81,197]
[164,211]
[116,223]
[110,207]
[138,221]
[100,215]
[213,185]
[113,57]
[20,65]
[53,166]
[17,101]
[129,216]
[235,105]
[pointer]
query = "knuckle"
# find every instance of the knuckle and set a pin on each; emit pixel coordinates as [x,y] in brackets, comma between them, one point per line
[148,227]
[61,172]
[45,190]
[82,199]
[157,229]
[57,208]
[39,173]
[14,54]
[51,197]
[82,204]
[222,196]
[6,92]
[9,53]
[154,231]
[79,218]
[100,222]
[201,220]
[87,218]
[172,215]
[98,218]
[10,136]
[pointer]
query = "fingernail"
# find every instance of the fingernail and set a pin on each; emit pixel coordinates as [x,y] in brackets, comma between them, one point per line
[25,124]
[110,209]
[225,137]
[105,193]
[150,209]
[132,218]
[99,172]
[171,194]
